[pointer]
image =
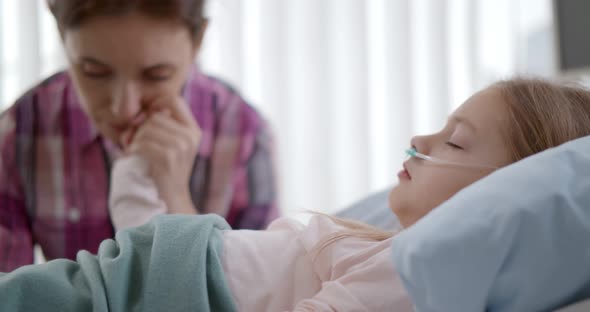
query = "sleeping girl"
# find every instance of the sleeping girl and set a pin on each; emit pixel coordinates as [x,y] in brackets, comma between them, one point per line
[183,263]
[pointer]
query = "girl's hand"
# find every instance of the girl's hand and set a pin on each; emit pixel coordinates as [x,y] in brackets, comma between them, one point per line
[169,139]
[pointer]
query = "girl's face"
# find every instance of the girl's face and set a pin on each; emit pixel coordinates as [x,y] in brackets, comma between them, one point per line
[473,135]
[120,63]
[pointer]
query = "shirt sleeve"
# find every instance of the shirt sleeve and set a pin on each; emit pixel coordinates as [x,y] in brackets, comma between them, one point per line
[274,262]
[16,243]
[133,198]
[349,274]
[260,183]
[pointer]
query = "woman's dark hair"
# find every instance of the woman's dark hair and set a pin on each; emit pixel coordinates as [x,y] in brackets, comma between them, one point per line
[72,13]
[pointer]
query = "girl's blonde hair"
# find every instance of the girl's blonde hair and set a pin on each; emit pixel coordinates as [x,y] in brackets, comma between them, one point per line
[542,115]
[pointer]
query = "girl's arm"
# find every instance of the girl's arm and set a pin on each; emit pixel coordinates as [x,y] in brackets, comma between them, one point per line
[278,270]
[133,198]
[356,274]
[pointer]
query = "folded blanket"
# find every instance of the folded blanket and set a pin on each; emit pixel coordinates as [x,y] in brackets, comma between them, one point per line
[170,264]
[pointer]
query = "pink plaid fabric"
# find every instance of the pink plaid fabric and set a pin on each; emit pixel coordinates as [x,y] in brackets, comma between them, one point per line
[54,169]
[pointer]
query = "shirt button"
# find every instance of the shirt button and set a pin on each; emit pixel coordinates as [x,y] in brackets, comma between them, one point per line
[74,215]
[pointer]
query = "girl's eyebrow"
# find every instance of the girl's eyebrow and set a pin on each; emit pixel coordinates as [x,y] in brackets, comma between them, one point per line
[463,120]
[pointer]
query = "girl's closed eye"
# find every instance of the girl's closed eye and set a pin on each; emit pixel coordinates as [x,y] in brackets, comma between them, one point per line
[453,145]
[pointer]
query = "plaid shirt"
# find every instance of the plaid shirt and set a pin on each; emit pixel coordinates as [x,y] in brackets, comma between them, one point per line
[54,169]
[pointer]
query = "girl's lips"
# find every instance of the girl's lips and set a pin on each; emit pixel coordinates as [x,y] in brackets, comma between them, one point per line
[404,174]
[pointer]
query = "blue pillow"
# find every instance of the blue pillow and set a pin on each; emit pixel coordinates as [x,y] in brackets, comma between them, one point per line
[517,240]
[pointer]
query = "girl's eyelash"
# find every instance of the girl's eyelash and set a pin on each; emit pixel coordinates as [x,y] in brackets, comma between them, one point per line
[453,145]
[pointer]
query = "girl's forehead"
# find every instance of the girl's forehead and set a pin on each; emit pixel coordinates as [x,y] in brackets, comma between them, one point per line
[486,109]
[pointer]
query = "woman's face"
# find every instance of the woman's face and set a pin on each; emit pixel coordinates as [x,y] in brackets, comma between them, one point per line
[119,64]
[473,135]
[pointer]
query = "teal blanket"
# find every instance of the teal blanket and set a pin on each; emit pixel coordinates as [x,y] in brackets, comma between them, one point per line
[171,264]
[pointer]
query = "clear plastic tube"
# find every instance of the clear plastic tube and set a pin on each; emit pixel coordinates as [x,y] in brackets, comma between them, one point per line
[412,152]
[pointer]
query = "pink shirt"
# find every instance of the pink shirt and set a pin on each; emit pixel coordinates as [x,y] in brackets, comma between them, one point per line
[55,167]
[281,269]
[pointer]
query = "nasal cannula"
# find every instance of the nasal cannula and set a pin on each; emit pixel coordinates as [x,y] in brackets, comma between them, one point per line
[412,152]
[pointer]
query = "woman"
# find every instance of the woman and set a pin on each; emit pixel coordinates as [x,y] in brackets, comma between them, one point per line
[131,84]
[329,265]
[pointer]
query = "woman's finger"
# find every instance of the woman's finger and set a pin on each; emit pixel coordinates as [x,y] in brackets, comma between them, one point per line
[168,140]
